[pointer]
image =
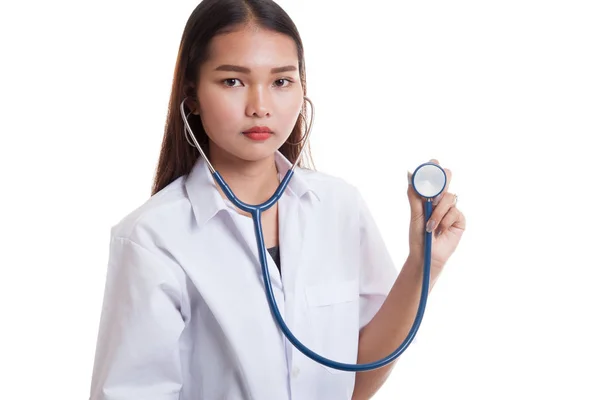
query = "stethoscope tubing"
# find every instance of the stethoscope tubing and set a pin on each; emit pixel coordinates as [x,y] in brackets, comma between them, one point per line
[256,211]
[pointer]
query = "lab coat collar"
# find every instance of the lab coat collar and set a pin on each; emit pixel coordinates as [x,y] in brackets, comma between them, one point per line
[206,200]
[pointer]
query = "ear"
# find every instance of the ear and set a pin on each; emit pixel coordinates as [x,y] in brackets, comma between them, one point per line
[191,99]
[192,105]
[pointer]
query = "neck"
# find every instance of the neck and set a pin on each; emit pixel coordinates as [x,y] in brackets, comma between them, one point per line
[252,182]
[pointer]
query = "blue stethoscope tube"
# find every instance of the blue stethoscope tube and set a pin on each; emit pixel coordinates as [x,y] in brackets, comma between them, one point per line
[256,210]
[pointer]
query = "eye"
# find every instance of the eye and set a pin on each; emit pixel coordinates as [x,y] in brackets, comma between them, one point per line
[281,82]
[230,82]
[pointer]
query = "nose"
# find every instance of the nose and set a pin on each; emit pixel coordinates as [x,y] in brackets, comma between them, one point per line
[258,103]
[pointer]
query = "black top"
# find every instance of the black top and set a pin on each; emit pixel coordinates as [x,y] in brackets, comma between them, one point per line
[274,252]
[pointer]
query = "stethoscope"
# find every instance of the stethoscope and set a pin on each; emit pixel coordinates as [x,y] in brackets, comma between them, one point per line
[428,180]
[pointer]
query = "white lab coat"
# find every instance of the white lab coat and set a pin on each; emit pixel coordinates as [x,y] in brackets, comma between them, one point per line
[185,314]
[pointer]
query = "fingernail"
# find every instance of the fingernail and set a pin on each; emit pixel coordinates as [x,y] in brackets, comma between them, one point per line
[408,177]
[430,225]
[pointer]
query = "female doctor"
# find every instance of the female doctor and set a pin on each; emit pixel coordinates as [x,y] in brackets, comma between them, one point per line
[185,314]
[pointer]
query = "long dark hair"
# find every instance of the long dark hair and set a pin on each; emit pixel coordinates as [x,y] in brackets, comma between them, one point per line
[210,18]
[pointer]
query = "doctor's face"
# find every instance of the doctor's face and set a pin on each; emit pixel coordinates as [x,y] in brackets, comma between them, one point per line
[251,79]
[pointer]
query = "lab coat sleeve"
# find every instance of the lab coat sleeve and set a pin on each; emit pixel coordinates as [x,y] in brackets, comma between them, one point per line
[377,270]
[137,353]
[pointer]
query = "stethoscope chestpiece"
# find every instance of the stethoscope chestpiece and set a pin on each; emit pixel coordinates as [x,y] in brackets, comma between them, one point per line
[429,180]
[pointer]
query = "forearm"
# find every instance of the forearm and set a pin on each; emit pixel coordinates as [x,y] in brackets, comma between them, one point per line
[389,327]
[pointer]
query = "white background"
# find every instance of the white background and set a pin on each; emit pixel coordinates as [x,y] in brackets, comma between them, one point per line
[506,94]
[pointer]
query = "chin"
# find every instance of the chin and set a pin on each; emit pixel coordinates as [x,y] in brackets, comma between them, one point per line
[251,153]
[257,153]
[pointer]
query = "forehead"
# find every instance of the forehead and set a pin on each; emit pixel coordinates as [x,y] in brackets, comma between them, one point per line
[253,48]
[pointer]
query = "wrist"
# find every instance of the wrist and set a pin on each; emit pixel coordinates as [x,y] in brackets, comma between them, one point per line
[414,260]
[415,264]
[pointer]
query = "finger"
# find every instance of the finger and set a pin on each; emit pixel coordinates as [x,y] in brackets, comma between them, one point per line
[452,218]
[461,223]
[447,202]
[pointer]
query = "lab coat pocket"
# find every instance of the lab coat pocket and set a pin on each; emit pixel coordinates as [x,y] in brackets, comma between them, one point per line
[334,319]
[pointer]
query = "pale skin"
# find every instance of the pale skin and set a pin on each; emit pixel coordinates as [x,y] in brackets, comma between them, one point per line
[267,91]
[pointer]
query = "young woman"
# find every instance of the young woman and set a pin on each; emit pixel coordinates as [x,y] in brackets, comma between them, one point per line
[185,314]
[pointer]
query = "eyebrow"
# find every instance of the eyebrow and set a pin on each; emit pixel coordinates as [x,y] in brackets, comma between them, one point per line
[237,68]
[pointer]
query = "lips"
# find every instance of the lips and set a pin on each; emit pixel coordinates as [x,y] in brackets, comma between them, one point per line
[259,129]
[258,133]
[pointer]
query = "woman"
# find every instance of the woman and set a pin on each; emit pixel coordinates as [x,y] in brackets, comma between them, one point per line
[185,314]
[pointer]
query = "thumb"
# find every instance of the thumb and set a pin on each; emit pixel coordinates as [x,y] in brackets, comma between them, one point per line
[416,205]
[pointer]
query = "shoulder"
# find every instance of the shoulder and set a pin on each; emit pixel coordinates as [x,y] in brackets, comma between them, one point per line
[167,206]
